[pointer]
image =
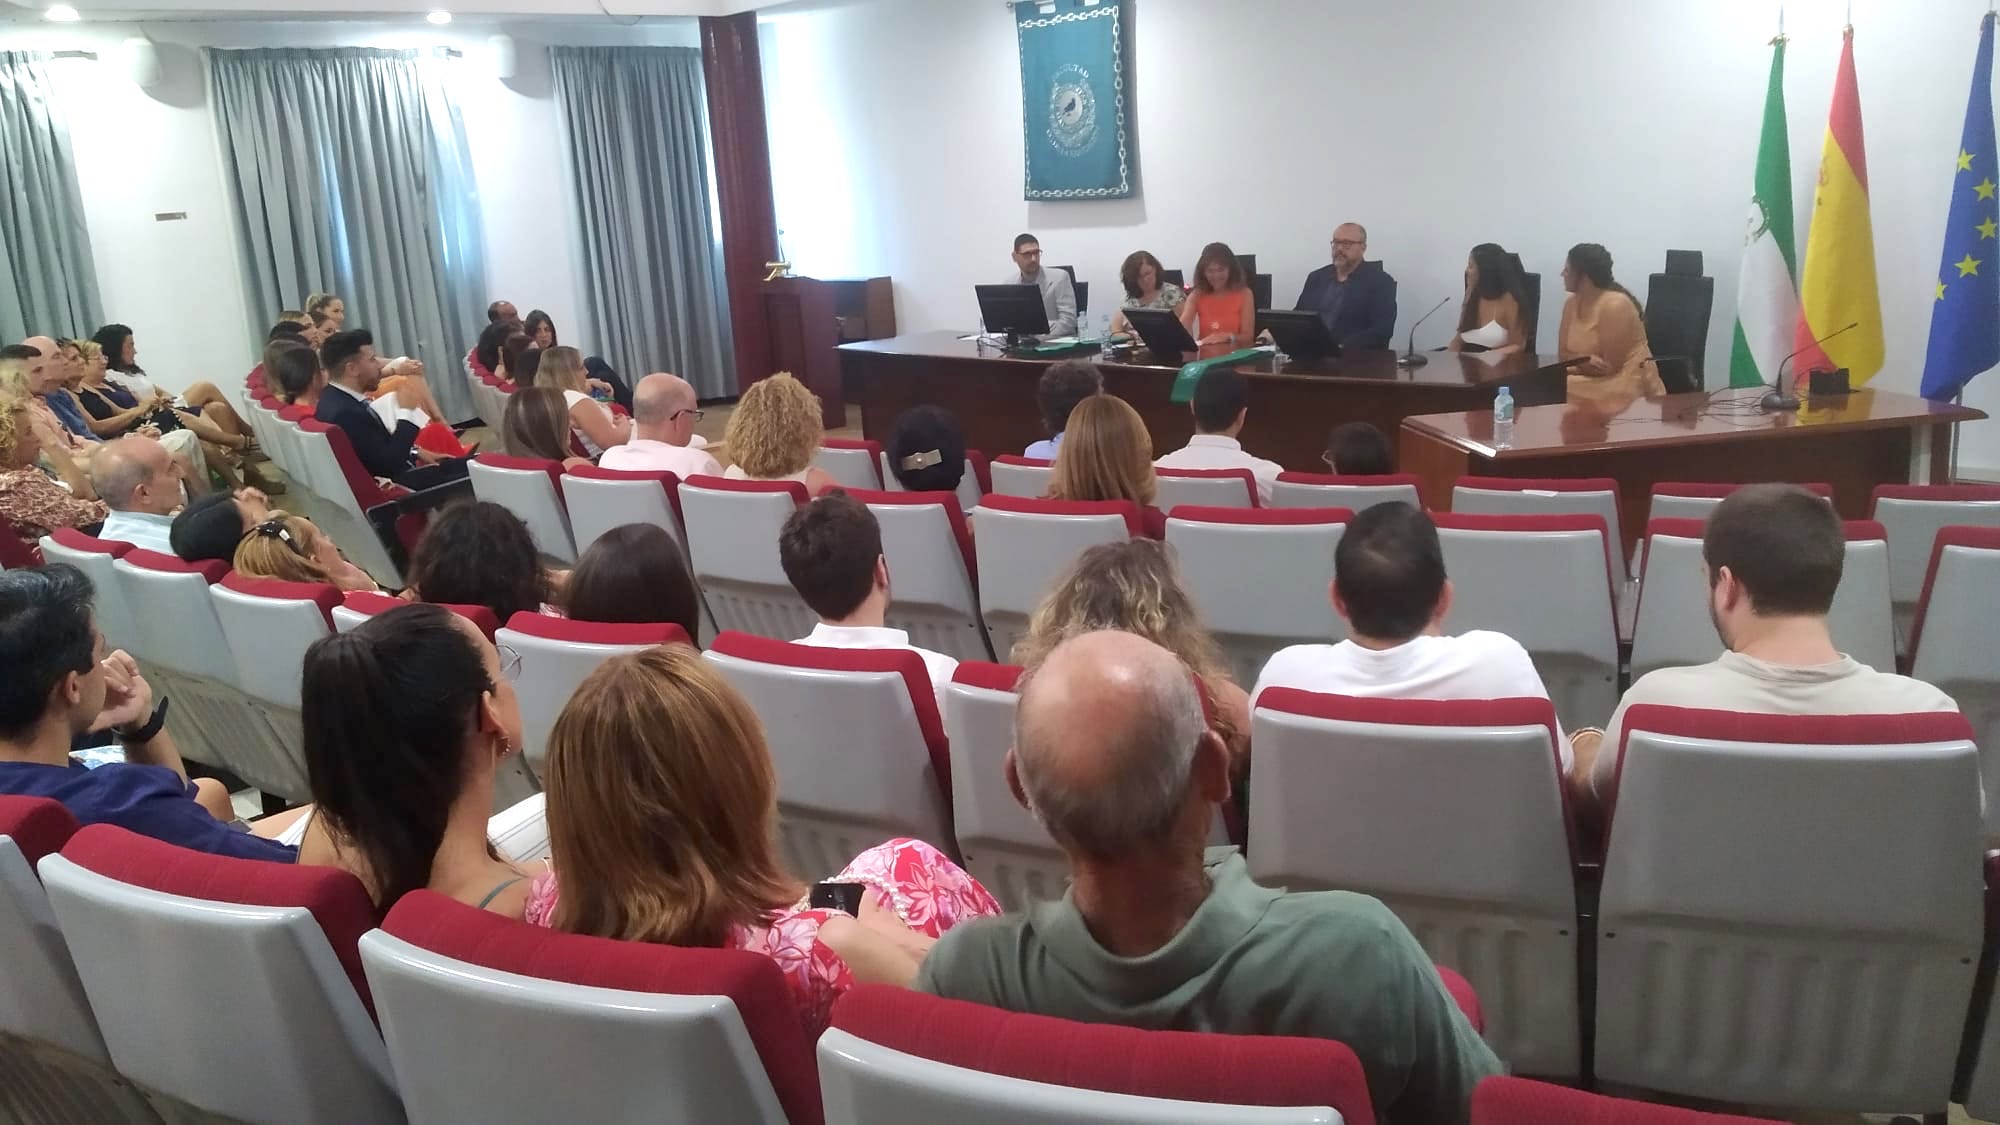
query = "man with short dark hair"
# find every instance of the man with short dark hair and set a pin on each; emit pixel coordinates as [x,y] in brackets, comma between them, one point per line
[60,686]
[1773,554]
[1389,585]
[1058,295]
[1358,449]
[500,310]
[211,526]
[1113,756]
[1221,405]
[831,550]
[1057,392]
[353,372]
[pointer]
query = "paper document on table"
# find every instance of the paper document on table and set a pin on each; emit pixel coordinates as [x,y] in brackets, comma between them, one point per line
[1491,359]
[1488,335]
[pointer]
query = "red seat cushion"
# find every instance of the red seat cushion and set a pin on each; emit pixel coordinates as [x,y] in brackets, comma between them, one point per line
[38,826]
[369,604]
[597,633]
[318,593]
[1261,517]
[667,480]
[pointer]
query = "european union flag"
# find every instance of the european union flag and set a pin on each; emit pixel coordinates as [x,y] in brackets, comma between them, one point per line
[1965,319]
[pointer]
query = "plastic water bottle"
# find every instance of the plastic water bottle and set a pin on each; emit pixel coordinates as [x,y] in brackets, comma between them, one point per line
[1104,335]
[1503,417]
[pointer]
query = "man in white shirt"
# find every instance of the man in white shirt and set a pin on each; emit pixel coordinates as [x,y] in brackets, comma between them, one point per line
[1390,587]
[1221,404]
[1058,295]
[1773,556]
[663,418]
[831,550]
[142,485]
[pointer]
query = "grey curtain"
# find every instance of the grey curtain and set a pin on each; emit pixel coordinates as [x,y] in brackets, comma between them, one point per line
[635,125]
[349,173]
[48,285]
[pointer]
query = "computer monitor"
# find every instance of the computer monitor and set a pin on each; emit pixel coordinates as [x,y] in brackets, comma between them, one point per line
[1298,333]
[1013,310]
[1162,331]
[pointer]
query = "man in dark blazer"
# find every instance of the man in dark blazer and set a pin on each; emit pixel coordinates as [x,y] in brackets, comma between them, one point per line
[1355,298]
[352,372]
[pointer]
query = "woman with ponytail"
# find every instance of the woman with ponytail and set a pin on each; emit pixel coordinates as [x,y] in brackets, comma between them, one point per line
[1604,331]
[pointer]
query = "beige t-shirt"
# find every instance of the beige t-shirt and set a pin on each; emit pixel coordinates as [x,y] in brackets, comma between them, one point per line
[1735,682]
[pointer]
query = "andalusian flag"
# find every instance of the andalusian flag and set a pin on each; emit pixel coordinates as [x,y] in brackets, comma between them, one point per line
[1839,285]
[1767,297]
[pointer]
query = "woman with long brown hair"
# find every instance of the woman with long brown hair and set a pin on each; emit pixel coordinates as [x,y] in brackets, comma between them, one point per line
[1220,311]
[1107,454]
[537,424]
[562,368]
[663,810]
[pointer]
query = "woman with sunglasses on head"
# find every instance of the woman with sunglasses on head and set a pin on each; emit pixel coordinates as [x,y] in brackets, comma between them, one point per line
[292,548]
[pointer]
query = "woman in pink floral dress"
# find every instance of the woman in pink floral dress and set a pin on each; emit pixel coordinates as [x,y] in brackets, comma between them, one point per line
[662,806]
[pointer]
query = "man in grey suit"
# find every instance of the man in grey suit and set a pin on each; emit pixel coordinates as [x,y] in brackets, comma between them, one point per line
[1058,296]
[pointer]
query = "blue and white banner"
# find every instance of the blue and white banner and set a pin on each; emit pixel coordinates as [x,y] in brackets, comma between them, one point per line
[1074,121]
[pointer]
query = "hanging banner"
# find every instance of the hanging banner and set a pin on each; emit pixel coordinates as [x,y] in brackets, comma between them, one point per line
[1075,129]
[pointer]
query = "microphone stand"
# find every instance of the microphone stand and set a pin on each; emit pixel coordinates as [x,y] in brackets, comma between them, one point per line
[1410,358]
[1780,398]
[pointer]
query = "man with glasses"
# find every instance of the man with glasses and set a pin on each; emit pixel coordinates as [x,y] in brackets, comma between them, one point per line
[663,437]
[1058,295]
[1355,298]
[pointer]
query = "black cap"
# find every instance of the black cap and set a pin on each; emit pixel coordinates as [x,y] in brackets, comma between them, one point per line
[208,528]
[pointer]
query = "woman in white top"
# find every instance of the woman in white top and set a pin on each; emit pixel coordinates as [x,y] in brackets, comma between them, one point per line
[775,433]
[597,428]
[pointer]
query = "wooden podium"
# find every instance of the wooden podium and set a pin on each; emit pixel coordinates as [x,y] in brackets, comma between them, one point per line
[808,319]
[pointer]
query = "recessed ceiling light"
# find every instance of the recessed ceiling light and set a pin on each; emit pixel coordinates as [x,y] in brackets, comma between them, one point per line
[439,17]
[61,13]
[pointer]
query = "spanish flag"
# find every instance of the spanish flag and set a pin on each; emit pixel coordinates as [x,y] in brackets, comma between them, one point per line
[1838,288]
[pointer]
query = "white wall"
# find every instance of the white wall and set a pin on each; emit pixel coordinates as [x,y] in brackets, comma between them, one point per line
[179,284]
[896,126]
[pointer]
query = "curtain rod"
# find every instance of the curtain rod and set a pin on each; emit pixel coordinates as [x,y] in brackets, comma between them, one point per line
[91,55]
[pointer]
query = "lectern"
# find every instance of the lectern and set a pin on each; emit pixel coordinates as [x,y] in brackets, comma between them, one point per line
[808,318]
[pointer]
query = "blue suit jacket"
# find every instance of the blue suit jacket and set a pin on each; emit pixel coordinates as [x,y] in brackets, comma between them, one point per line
[383,452]
[1366,316]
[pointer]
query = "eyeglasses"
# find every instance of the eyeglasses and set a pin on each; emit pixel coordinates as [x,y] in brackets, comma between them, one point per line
[510,662]
[698,414]
[1348,242]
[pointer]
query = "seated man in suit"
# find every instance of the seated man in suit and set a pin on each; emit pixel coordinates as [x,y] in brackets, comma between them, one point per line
[1355,298]
[1058,295]
[352,372]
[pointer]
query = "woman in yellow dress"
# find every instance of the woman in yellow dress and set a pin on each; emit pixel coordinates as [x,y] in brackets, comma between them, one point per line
[1603,329]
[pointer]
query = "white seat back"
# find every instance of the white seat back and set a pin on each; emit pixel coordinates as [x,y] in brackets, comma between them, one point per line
[1673,629]
[1356,494]
[1018,479]
[931,591]
[1023,546]
[969,493]
[524,487]
[269,630]
[322,471]
[852,465]
[1958,649]
[1860,620]
[597,504]
[107,605]
[1816,878]
[1195,488]
[41,997]
[1912,525]
[1289,603]
[1005,847]
[557,655]
[732,540]
[1492,501]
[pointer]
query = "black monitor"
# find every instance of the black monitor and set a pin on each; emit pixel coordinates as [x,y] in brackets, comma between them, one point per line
[1298,333]
[1162,331]
[1013,310]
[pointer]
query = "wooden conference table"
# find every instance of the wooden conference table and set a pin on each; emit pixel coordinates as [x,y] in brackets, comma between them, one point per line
[1291,410]
[1852,442]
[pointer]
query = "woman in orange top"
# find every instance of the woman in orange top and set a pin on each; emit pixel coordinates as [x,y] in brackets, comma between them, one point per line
[1220,312]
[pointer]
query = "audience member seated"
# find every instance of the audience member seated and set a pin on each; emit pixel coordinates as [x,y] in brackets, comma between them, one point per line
[1109,456]
[537,425]
[500,310]
[634,574]
[1134,587]
[329,308]
[121,354]
[1220,311]
[1112,756]
[774,434]
[293,549]
[664,413]
[1057,392]
[112,411]
[407,720]
[1773,555]
[596,427]
[1221,405]
[1144,288]
[663,809]
[61,688]
[519,359]
[211,526]
[352,372]
[1604,327]
[33,376]
[475,552]
[295,370]
[831,550]
[485,355]
[926,450]
[1358,449]
[142,486]
[63,379]
[541,328]
[1496,295]
[33,502]
[1390,587]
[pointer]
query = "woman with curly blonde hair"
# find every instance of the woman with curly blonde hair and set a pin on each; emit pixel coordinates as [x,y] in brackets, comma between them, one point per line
[1107,454]
[775,433]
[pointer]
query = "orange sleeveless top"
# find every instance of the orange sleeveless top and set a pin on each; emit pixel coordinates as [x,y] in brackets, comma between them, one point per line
[1222,312]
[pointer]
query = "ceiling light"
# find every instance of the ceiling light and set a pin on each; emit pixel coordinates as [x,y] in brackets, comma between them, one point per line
[439,18]
[61,13]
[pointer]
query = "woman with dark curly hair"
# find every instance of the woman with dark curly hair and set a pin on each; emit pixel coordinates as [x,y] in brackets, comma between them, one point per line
[479,553]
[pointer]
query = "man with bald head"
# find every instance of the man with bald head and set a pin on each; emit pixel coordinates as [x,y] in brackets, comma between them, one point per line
[663,438]
[1355,298]
[142,485]
[1112,755]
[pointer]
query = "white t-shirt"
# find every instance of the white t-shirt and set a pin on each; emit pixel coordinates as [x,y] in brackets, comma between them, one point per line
[570,399]
[1735,682]
[940,666]
[1474,665]
[644,455]
[1219,451]
[735,472]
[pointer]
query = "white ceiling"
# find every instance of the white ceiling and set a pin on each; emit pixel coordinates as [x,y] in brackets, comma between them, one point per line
[105,11]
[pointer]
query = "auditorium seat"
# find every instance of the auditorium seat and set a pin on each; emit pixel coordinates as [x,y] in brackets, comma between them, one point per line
[264,426]
[93,557]
[557,655]
[858,745]
[1980,1057]
[1955,646]
[1541,496]
[1861,620]
[231,984]
[269,626]
[1453,814]
[1288,556]
[1022,476]
[928,546]
[972,487]
[1205,488]
[1004,846]
[526,486]
[611,1030]
[1024,545]
[1509,572]
[852,463]
[899,1057]
[1355,493]
[1694,500]
[362,605]
[732,529]
[1504,1100]
[1814,878]
[335,472]
[15,552]
[601,499]
[1913,514]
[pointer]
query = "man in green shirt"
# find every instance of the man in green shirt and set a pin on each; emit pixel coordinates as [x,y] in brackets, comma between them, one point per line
[1113,756]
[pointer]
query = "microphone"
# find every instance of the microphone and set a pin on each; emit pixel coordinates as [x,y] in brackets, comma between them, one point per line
[1410,358]
[1778,398]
